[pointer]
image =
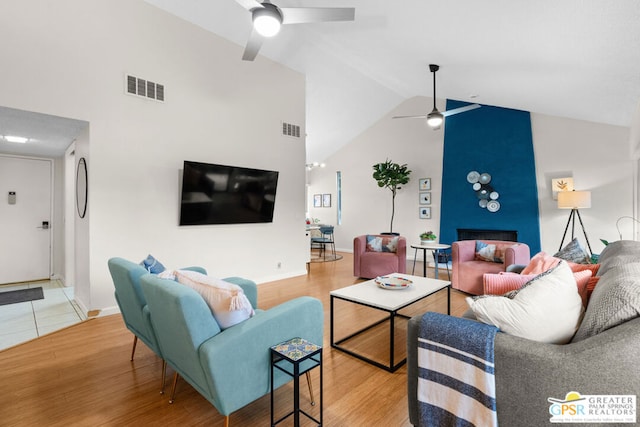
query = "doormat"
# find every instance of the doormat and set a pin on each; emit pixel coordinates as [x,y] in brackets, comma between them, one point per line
[21,295]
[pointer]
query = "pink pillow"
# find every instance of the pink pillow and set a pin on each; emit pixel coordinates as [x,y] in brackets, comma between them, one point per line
[501,283]
[498,284]
[540,263]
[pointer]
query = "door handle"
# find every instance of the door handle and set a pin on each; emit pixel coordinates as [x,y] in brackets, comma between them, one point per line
[45,225]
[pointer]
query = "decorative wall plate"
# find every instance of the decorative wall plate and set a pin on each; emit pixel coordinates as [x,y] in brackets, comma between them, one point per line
[472,177]
[485,178]
[493,206]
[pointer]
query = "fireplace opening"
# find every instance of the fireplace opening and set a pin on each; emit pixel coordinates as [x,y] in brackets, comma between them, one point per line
[475,234]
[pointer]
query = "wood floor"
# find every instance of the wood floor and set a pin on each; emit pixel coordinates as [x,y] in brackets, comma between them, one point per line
[82,375]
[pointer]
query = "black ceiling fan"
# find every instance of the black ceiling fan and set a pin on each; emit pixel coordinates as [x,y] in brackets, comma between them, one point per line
[268,18]
[435,117]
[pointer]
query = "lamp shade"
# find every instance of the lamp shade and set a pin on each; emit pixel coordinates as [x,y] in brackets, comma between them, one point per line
[574,199]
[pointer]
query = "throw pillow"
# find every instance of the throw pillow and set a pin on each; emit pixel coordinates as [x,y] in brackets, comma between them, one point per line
[501,283]
[591,285]
[382,243]
[615,300]
[228,303]
[581,267]
[485,251]
[152,265]
[547,309]
[491,252]
[574,252]
[540,263]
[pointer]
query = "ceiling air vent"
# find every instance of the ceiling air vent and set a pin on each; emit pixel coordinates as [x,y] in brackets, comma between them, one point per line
[144,88]
[290,130]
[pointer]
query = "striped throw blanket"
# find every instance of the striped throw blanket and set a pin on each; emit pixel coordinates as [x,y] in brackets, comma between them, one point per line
[456,384]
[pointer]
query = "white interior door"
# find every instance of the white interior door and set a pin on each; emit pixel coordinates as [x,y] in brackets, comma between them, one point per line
[25,219]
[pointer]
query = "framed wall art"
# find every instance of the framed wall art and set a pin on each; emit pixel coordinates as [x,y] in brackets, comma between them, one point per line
[425,184]
[425,198]
[317,200]
[326,200]
[425,213]
[561,184]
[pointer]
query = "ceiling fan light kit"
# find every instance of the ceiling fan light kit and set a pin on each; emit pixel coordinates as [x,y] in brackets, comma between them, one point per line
[267,20]
[435,118]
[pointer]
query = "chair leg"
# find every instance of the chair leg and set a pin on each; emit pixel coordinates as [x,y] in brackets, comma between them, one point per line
[173,388]
[226,421]
[313,400]
[164,375]
[133,350]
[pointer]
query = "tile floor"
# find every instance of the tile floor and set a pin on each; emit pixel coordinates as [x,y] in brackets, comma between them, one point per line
[24,321]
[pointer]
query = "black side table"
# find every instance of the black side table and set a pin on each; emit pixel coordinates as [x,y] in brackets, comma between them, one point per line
[295,357]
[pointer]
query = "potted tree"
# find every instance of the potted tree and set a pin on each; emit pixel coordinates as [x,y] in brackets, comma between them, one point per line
[391,175]
[427,237]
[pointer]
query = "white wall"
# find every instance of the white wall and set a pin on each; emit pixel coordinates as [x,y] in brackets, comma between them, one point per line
[69,59]
[596,155]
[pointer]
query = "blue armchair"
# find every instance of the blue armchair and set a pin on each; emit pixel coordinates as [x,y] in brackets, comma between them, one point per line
[230,368]
[133,305]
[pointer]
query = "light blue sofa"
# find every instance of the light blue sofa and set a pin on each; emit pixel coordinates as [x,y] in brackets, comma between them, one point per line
[230,368]
[133,305]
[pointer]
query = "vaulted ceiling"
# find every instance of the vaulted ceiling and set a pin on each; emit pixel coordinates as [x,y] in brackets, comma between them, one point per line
[572,58]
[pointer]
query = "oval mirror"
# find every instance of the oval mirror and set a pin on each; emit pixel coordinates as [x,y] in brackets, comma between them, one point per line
[81,187]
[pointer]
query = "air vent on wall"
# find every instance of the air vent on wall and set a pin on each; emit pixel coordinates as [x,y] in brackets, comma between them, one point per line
[290,130]
[144,88]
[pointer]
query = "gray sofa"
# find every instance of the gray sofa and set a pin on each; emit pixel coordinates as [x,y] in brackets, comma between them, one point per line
[603,358]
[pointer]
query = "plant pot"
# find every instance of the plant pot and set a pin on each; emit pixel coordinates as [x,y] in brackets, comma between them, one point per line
[427,242]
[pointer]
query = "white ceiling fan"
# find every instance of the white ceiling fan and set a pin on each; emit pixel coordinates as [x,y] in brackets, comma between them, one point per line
[435,117]
[268,18]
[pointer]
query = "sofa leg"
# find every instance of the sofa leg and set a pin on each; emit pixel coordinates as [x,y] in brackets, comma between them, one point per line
[133,350]
[173,388]
[164,375]
[313,401]
[226,421]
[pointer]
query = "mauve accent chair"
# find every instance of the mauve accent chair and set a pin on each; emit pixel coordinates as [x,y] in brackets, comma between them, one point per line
[370,265]
[467,272]
[231,367]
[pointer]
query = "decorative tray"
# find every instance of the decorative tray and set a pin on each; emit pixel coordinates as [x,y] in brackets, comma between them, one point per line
[388,282]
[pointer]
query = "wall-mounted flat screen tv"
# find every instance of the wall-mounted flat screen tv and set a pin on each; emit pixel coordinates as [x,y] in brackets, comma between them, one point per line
[219,194]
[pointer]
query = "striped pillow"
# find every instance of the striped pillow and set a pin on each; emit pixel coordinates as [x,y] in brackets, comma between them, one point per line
[501,283]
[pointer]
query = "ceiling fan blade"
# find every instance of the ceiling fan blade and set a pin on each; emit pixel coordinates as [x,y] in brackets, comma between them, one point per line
[301,15]
[249,4]
[253,46]
[460,110]
[410,117]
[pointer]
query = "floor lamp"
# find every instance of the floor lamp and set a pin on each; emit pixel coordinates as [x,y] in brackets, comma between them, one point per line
[574,200]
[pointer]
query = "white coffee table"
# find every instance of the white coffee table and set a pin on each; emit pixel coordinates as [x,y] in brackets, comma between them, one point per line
[391,301]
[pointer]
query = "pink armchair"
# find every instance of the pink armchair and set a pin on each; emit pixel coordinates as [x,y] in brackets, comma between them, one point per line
[369,264]
[467,272]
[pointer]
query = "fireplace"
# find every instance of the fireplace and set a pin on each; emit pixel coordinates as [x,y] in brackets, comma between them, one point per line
[475,234]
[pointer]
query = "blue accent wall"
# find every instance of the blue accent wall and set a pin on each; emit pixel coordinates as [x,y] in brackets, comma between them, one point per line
[497,141]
